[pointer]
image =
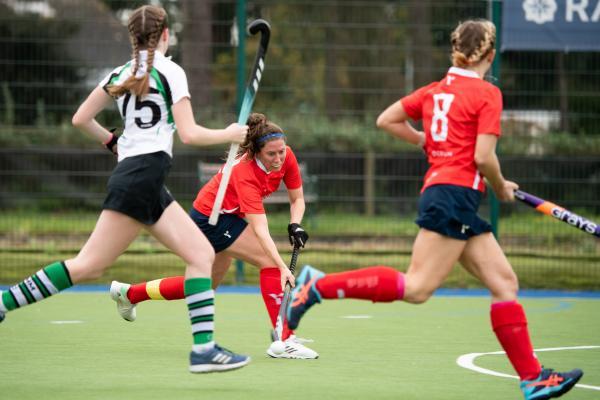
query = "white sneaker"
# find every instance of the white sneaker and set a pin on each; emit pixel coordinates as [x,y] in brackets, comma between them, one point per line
[294,349]
[118,292]
[300,340]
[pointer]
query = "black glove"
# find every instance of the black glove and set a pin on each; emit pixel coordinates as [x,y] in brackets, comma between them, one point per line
[298,235]
[110,145]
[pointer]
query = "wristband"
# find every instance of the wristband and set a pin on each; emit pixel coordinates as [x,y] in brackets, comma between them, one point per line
[110,144]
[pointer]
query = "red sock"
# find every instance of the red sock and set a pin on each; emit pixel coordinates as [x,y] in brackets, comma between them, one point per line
[159,289]
[378,284]
[510,325]
[270,288]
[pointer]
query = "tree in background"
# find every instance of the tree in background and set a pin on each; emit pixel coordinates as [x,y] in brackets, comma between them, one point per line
[37,76]
[331,67]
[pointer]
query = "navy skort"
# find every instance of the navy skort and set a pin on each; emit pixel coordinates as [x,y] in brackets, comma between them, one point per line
[221,236]
[451,210]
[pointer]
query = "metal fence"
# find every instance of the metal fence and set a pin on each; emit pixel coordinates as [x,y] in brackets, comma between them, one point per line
[362,216]
[332,67]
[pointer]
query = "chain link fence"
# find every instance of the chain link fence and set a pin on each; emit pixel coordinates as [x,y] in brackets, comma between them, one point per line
[332,67]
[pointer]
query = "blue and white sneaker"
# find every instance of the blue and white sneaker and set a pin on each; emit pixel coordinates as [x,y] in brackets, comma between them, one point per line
[216,359]
[550,384]
[304,295]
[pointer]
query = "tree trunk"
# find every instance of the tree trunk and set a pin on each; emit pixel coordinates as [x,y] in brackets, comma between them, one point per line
[196,51]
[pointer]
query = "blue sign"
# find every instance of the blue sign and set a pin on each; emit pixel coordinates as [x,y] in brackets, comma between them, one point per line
[551,25]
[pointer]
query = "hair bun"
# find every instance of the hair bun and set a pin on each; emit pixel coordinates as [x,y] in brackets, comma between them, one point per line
[257,119]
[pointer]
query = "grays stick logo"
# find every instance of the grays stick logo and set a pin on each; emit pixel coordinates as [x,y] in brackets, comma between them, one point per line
[574,219]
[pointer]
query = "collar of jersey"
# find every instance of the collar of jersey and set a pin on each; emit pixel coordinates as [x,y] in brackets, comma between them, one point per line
[463,72]
[261,166]
[159,54]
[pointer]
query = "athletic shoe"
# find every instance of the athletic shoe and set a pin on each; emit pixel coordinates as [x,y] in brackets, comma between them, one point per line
[304,295]
[118,292]
[550,384]
[301,340]
[216,359]
[295,349]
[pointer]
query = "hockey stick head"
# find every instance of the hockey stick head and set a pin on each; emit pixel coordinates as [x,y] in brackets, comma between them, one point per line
[262,26]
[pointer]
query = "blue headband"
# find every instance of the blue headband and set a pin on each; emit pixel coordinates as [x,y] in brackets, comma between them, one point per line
[269,136]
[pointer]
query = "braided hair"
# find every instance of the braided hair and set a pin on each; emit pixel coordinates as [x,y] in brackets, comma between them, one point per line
[472,41]
[145,25]
[259,130]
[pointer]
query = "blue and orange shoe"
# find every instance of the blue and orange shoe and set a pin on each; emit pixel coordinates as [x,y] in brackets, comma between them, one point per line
[550,384]
[304,295]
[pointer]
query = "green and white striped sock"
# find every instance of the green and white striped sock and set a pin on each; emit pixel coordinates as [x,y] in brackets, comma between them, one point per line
[44,283]
[200,299]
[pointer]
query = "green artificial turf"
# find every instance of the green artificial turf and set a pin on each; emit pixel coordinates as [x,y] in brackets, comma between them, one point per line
[75,346]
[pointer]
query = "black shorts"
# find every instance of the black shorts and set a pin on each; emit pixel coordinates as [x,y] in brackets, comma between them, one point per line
[221,236]
[451,210]
[136,187]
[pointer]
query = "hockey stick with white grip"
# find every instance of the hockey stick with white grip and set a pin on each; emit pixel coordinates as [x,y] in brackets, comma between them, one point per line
[256,26]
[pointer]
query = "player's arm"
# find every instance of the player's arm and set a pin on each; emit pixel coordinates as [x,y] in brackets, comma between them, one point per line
[297,205]
[84,118]
[193,134]
[394,120]
[488,164]
[297,235]
[260,226]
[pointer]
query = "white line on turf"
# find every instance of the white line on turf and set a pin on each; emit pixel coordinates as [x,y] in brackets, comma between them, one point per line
[467,361]
[65,322]
[357,316]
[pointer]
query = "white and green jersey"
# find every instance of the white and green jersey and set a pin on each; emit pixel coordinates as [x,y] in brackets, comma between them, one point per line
[149,124]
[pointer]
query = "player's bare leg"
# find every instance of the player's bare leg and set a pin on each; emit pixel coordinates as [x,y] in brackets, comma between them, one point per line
[484,258]
[434,255]
[111,236]
[433,258]
[176,230]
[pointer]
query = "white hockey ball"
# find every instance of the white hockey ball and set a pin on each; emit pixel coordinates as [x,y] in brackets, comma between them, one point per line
[278,347]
